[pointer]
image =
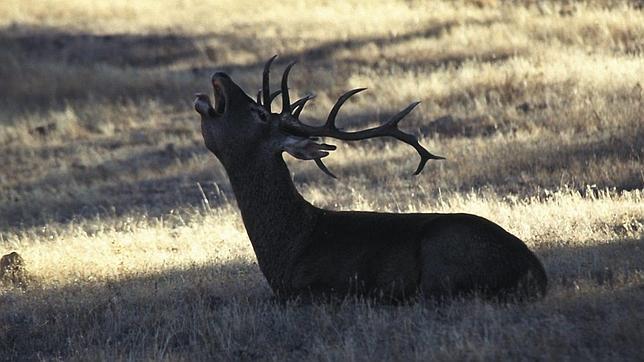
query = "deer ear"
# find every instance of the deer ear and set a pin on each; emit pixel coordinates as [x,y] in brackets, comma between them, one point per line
[305,148]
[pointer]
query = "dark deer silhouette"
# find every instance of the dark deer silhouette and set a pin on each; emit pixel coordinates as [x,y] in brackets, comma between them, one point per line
[304,251]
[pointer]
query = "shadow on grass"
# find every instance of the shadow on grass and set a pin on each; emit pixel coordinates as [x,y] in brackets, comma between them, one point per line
[602,264]
[139,181]
[40,321]
[227,311]
[325,53]
[132,50]
[116,187]
[27,47]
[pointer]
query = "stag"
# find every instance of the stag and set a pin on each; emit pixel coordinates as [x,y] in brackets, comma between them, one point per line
[307,252]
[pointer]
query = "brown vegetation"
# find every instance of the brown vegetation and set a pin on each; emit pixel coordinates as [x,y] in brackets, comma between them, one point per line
[129,228]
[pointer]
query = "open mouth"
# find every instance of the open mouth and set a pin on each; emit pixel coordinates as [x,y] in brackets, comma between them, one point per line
[220,98]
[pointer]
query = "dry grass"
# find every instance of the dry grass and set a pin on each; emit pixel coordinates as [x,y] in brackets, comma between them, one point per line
[536,105]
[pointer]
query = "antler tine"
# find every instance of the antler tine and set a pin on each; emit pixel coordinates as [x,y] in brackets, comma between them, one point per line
[322,166]
[330,120]
[271,98]
[266,88]
[298,105]
[411,140]
[275,94]
[286,101]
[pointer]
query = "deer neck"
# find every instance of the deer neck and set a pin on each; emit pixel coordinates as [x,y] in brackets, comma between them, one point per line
[277,218]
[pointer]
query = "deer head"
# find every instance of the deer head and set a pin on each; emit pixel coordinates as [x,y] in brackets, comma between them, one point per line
[237,125]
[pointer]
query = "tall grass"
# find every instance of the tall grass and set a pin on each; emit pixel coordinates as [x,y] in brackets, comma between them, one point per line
[131,238]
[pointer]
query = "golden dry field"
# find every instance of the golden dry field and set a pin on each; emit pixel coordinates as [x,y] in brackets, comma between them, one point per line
[134,248]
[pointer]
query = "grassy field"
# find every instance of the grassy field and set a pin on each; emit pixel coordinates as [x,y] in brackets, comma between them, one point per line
[128,227]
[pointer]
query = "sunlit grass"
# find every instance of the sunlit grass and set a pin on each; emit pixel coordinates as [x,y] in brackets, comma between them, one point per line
[114,248]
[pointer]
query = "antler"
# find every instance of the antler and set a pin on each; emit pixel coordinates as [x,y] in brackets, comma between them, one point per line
[290,121]
[266,90]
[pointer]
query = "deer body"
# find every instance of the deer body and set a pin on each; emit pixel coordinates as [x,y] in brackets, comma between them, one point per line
[304,251]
